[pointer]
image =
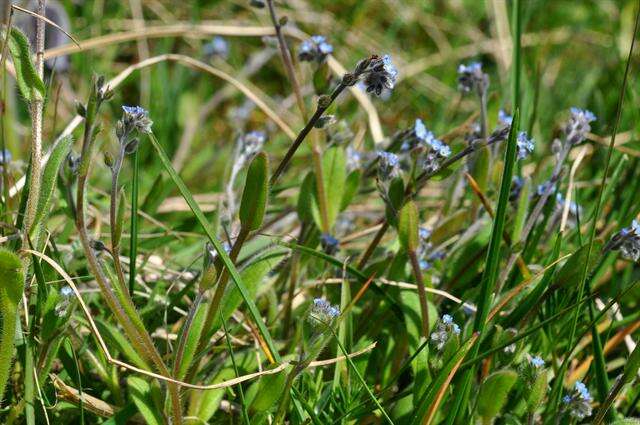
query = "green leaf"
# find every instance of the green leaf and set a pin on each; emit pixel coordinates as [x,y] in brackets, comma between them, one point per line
[305,198]
[142,395]
[50,175]
[265,396]
[444,377]
[396,198]
[10,295]
[408,227]
[536,391]
[334,170]
[350,188]
[256,192]
[233,272]
[494,391]
[116,339]
[567,276]
[29,83]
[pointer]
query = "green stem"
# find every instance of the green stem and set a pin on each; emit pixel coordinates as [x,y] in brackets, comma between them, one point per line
[422,294]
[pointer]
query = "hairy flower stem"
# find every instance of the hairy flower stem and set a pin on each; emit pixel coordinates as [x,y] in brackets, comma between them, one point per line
[316,153]
[286,58]
[322,107]
[422,294]
[283,404]
[212,311]
[113,212]
[36,112]
[124,314]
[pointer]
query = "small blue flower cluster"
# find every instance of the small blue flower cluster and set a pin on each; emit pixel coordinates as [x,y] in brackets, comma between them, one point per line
[314,49]
[137,118]
[323,312]
[578,125]
[445,329]
[525,145]
[471,77]
[578,403]
[627,241]
[381,74]
[388,166]
[425,251]
[217,47]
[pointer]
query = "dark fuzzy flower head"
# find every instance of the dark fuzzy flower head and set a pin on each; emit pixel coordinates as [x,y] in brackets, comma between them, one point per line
[627,241]
[471,77]
[578,403]
[136,118]
[217,47]
[314,49]
[388,165]
[578,125]
[381,74]
[525,145]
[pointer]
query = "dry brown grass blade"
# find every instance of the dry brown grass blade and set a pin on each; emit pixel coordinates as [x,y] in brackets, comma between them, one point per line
[207,30]
[89,402]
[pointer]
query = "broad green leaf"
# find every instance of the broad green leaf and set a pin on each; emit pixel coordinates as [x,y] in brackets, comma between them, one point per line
[305,198]
[29,83]
[10,295]
[408,221]
[50,175]
[141,393]
[116,339]
[334,170]
[350,188]
[494,391]
[233,272]
[255,194]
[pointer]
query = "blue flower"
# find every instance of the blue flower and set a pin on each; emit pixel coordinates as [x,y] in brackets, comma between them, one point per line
[504,118]
[525,145]
[5,157]
[315,49]
[218,46]
[323,312]
[579,125]
[135,118]
[471,77]
[388,165]
[578,403]
[381,74]
[445,329]
[330,245]
[537,361]
[627,241]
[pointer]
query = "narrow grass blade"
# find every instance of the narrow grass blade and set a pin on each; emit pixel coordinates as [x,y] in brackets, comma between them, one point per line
[233,272]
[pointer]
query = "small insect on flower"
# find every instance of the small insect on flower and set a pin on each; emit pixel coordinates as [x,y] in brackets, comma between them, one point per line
[578,125]
[135,118]
[627,241]
[322,312]
[471,77]
[578,403]
[446,328]
[381,74]
[525,145]
[388,166]
[314,49]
